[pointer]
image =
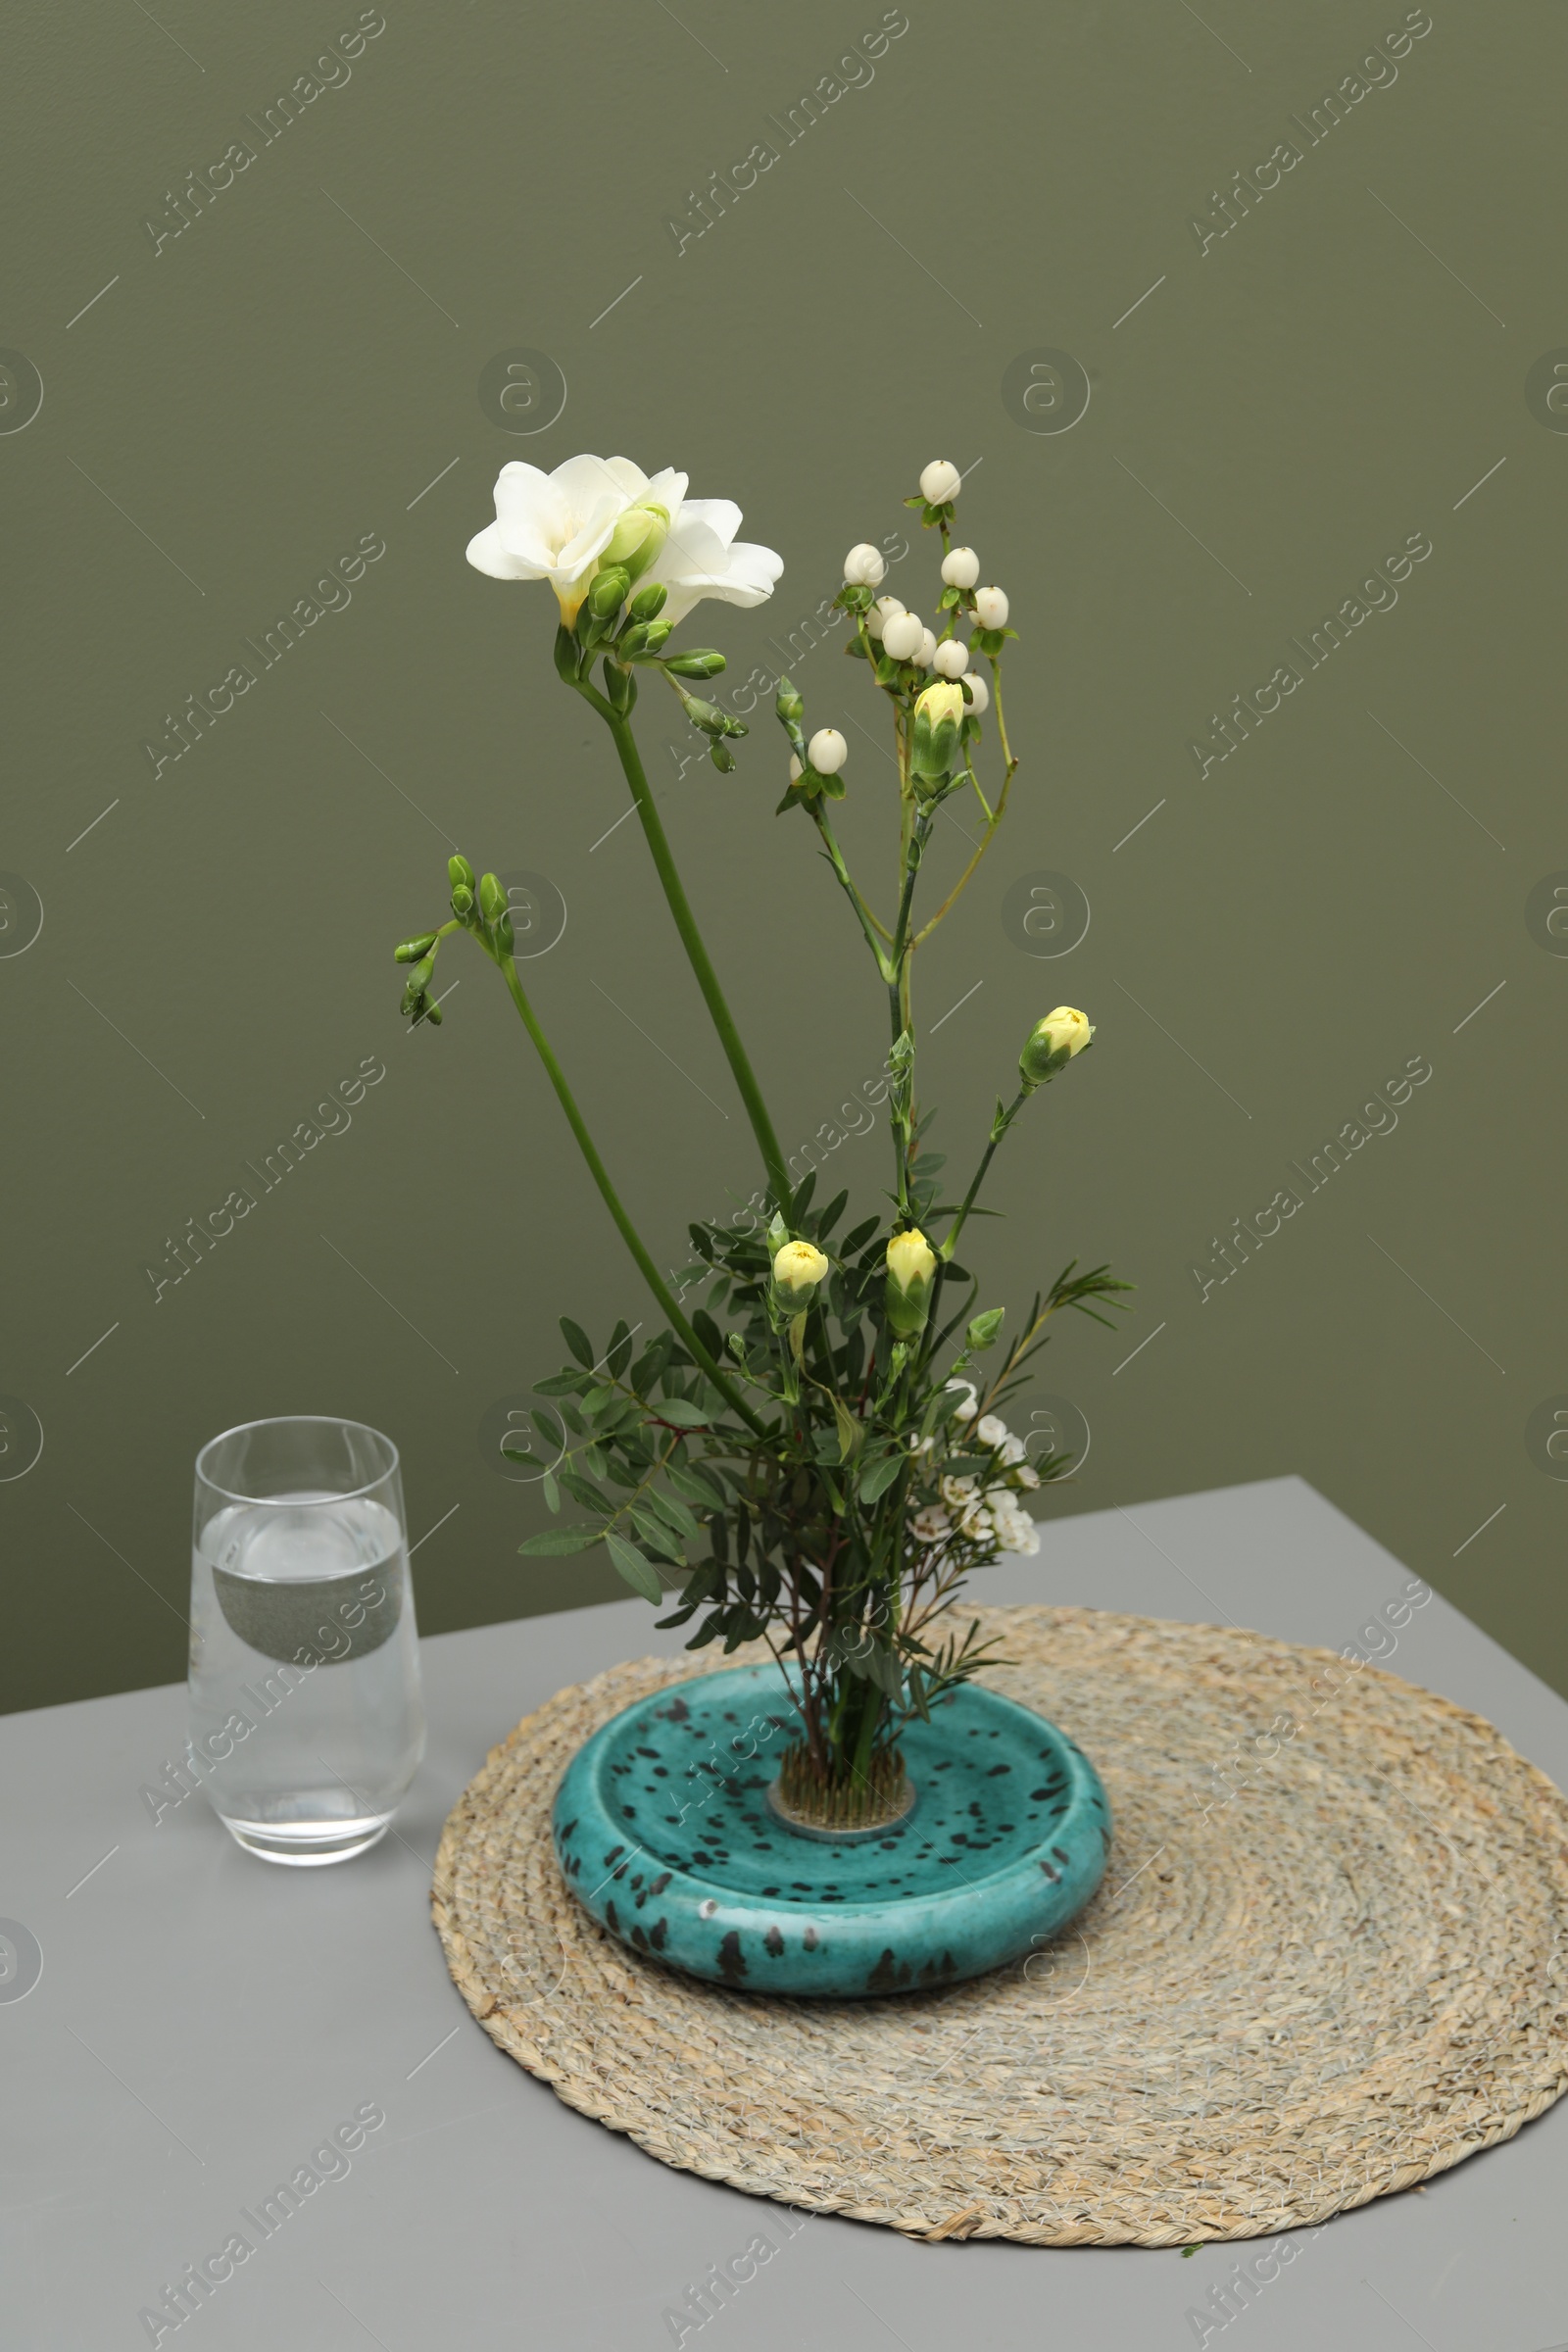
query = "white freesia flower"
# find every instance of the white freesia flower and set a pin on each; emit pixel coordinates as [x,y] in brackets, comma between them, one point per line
[557,526]
[701,557]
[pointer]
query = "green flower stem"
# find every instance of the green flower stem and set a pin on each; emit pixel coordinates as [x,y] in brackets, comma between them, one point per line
[835,856]
[999,1130]
[992,822]
[611,1200]
[697,956]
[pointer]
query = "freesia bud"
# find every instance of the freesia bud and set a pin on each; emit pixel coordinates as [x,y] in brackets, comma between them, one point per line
[798,1269]
[991,608]
[938,714]
[649,603]
[982,1332]
[827,750]
[881,613]
[911,1262]
[901,635]
[702,663]
[609,592]
[979,692]
[462,900]
[1052,1044]
[927,653]
[412,949]
[863,567]
[940,482]
[460,870]
[952,657]
[960,567]
[789,706]
[636,540]
[492,897]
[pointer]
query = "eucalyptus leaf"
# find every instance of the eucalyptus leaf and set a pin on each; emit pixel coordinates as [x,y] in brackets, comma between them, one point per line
[577,1341]
[638,1572]
[557,1540]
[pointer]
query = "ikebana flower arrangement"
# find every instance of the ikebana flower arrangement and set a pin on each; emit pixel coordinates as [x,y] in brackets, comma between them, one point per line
[814,1455]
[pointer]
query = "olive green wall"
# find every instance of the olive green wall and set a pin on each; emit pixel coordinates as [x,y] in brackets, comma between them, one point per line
[1359,364]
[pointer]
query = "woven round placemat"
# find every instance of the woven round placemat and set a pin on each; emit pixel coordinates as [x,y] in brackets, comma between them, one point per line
[1325,1962]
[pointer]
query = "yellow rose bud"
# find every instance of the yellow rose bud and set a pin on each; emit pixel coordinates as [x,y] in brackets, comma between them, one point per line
[1052,1044]
[798,1269]
[944,700]
[911,1262]
[939,712]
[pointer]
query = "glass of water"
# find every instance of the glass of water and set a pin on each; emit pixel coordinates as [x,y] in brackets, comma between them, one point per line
[307,1722]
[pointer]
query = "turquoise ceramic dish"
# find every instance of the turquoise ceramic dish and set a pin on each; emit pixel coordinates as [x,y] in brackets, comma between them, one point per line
[663,1831]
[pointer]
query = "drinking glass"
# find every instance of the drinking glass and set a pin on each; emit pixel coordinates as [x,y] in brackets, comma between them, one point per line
[307,1722]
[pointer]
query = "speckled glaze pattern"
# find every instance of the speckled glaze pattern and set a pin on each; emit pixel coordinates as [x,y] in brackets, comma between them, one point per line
[663,1833]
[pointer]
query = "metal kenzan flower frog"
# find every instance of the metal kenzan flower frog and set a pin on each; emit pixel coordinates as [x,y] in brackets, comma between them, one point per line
[814,1457]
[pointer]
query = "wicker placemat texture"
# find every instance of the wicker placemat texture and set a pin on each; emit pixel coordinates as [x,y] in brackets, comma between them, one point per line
[1325,1962]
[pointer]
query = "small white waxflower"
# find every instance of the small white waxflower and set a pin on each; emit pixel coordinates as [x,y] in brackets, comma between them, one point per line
[881,612]
[865,567]
[827,750]
[1017,1532]
[979,692]
[991,608]
[960,567]
[966,1411]
[931,1524]
[1027,1475]
[990,1431]
[952,657]
[940,482]
[901,635]
[1011,1451]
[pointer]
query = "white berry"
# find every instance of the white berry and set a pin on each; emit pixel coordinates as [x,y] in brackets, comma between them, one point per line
[902,634]
[940,482]
[991,608]
[960,567]
[881,612]
[827,750]
[953,657]
[863,567]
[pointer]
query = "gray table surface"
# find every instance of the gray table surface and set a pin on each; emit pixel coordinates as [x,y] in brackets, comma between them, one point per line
[203,2020]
